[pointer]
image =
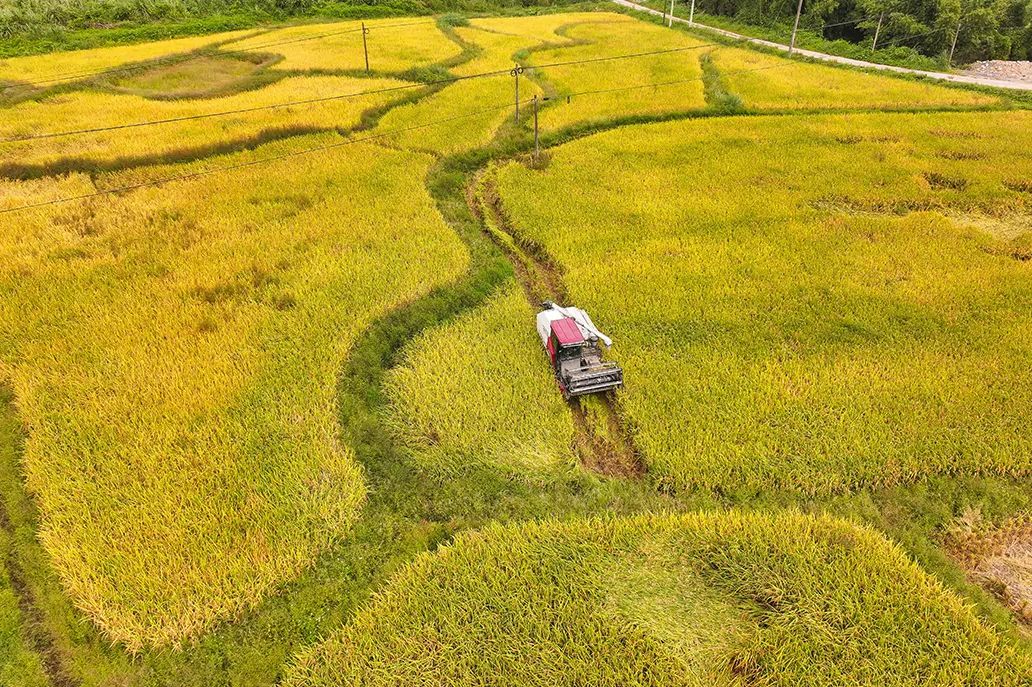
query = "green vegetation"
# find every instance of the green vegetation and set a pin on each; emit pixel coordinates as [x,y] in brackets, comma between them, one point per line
[702,599]
[21,665]
[909,33]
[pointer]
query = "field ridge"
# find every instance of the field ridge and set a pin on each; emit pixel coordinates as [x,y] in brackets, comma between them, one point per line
[33,621]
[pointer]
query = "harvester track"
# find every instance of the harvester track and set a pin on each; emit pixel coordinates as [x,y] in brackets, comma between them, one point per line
[602,441]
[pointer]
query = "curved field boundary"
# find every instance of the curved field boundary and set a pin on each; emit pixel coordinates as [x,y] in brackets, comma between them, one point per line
[14,91]
[404,513]
[13,503]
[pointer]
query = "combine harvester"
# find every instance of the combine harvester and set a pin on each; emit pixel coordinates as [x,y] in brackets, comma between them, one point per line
[571,340]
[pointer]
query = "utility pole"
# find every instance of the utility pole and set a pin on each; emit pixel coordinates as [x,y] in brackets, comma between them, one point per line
[515,73]
[877,30]
[953,47]
[365,47]
[537,149]
[670,17]
[799,12]
[691,15]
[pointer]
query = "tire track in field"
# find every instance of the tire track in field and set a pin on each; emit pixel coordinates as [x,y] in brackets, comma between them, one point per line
[602,440]
[33,624]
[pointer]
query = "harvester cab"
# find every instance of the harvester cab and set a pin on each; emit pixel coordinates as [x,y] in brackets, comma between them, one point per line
[571,340]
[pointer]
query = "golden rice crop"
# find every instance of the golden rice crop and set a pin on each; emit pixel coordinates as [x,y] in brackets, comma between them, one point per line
[769,82]
[830,318]
[87,110]
[174,353]
[85,63]
[455,100]
[628,80]
[450,396]
[547,28]
[501,41]
[338,46]
[701,599]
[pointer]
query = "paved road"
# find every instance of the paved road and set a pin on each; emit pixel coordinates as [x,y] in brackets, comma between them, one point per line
[956,78]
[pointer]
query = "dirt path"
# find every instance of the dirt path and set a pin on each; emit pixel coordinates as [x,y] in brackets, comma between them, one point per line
[941,76]
[999,559]
[602,442]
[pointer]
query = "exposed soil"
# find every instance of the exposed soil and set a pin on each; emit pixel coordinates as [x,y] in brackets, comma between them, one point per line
[607,450]
[998,558]
[1004,70]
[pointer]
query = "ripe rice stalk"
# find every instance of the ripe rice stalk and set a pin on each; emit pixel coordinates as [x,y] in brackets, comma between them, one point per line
[700,599]
[774,338]
[174,353]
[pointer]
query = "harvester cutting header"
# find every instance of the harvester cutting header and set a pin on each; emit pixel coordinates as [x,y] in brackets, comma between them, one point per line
[571,340]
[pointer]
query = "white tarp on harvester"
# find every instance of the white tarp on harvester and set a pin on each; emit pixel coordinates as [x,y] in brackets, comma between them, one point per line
[557,312]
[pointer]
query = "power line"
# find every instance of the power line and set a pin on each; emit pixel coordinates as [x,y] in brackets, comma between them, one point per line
[343,96]
[620,57]
[221,113]
[850,21]
[250,163]
[667,83]
[917,35]
[71,76]
[383,134]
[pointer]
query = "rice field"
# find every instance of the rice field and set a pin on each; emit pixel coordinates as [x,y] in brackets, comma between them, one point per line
[831,326]
[270,412]
[59,68]
[394,45]
[620,88]
[465,362]
[174,353]
[490,94]
[195,134]
[766,82]
[700,599]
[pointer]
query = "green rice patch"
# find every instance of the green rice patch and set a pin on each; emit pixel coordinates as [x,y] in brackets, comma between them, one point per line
[197,76]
